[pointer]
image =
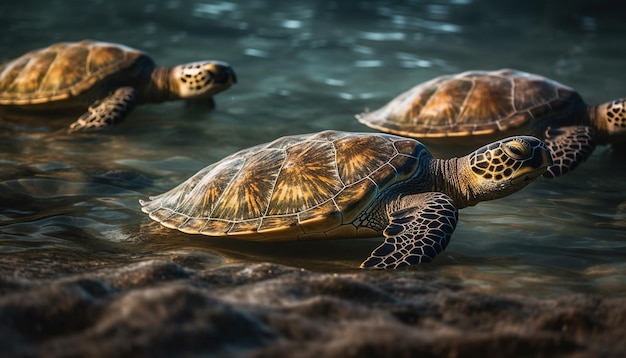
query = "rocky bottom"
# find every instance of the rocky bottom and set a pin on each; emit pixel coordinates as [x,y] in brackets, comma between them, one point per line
[160,308]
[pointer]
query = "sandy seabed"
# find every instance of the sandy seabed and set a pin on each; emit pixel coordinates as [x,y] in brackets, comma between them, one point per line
[160,308]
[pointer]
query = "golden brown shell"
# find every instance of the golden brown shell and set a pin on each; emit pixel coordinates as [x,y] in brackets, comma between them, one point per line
[474,103]
[294,187]
[63,70]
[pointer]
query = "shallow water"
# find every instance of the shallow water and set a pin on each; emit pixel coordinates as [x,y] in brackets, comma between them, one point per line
[69,203]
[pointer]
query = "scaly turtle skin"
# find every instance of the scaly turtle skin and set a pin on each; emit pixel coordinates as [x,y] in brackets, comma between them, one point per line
[481,106]
[340,185]
[106,80]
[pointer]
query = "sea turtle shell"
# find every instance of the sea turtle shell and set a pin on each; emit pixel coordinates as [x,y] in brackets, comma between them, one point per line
[495,104]
[68,71]
[296,187]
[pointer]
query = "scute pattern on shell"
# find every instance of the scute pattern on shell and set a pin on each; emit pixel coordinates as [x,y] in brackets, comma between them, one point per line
[61,70]
[471,103]
[279,187]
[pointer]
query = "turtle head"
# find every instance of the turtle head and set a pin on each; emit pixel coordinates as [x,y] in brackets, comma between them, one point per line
[504,167]
[611,122]
[198,81]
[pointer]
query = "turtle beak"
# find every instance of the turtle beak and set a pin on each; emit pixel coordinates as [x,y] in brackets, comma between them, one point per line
[540,161]
[224,74]
[535,167]
[547,157]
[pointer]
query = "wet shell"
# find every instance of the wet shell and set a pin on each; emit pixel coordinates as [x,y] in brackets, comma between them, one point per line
[66,70]
[475,103]
[297,187]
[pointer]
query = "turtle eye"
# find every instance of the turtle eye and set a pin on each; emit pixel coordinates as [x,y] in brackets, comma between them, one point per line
[517,149]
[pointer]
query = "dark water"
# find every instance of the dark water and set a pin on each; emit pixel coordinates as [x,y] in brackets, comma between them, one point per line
[81,266]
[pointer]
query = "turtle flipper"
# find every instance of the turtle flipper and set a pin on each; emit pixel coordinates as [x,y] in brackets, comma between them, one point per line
[569,146]
[108,111]
[417,232]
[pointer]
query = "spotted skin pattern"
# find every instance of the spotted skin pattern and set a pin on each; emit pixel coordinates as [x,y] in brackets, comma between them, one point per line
[340,185]
[493,163]
[104,80]
[483,106]
[195,78]
[616,114]
[416,234]
[108,111]
[569,146]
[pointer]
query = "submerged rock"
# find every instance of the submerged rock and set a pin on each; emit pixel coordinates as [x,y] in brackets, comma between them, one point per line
[159,308]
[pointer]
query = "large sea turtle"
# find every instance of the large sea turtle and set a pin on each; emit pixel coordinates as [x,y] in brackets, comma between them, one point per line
[340,185]
[482,106]
[106,80]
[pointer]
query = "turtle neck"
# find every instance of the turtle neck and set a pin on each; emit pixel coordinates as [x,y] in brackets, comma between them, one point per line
[450,178]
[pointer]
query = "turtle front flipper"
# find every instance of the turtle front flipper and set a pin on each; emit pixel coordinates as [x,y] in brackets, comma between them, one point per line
[417,232]
[569,146]
[108,111]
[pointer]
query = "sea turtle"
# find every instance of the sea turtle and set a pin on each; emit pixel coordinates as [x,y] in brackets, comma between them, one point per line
[336,184]
[104,79]
[482,106]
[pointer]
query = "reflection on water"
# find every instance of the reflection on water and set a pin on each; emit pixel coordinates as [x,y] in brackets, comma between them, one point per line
[69,203]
